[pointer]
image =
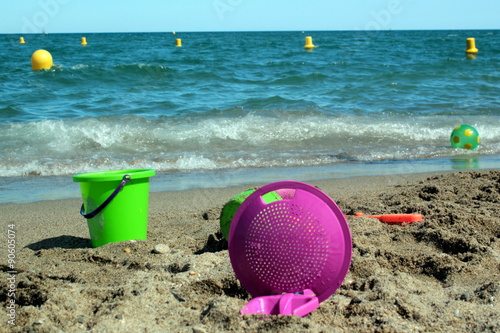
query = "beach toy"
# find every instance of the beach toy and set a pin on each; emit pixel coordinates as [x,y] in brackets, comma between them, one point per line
[232,205]
[41,59]
[290,254]
[466,137]
[393,218]
[115,204]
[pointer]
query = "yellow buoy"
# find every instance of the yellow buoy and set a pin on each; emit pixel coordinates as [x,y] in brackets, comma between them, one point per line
[84,41]
[309,43]
[21,40]
[178,42]
[41,59]
[471,46]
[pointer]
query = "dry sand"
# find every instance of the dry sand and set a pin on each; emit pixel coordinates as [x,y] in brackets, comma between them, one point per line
[440,275]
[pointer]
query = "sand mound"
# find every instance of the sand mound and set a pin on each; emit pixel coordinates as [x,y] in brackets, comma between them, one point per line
[440,275]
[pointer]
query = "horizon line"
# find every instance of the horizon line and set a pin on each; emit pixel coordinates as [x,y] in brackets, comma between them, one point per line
[236,31]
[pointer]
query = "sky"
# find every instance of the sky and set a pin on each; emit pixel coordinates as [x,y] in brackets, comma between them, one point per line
[74,16]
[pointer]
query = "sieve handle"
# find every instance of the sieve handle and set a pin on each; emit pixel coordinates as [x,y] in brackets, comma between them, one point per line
[125,180]
[299,304]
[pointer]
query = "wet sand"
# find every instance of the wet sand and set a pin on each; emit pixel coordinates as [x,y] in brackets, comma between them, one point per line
[439,275]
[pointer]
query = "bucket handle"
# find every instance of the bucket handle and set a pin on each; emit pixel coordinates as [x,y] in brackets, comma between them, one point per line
[125,180]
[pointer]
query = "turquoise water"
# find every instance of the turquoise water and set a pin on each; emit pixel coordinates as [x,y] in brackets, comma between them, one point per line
[244,106]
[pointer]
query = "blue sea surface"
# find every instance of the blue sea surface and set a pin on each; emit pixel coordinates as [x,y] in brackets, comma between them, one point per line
[231,108]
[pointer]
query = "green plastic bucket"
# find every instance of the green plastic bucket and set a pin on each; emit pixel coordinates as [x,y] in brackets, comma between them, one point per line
[230,208]
[115,204]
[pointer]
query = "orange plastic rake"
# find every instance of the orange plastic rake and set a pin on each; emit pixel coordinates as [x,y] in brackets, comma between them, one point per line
[393,218]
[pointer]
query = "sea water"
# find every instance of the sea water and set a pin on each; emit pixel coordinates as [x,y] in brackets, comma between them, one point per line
[233,108]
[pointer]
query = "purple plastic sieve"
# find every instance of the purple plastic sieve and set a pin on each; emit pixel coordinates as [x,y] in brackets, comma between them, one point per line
[299,243]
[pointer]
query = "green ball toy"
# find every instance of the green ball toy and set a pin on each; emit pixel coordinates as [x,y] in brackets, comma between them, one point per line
[465,137]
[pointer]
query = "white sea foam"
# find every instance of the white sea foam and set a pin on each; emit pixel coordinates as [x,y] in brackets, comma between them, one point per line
[67,146]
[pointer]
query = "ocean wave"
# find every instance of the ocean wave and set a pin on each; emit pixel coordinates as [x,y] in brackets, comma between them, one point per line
[253,139]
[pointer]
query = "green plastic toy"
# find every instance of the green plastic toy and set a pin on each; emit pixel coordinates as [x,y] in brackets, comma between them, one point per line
[465,137]
[234,203]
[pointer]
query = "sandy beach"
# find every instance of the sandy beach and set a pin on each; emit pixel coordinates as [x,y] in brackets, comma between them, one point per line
[439,275]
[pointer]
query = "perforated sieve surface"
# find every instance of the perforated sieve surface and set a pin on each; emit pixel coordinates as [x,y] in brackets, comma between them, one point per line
[286,246]
[297,243]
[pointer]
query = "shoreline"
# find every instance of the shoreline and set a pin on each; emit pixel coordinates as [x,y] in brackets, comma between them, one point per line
[45,188]
[437,275]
